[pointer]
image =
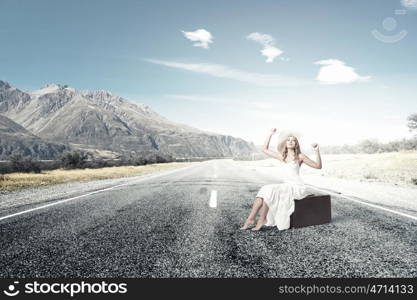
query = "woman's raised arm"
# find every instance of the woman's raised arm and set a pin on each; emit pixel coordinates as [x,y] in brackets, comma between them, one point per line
[265,149]
[314,164]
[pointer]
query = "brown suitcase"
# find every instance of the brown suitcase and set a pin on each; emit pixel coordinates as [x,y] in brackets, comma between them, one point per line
[311,210]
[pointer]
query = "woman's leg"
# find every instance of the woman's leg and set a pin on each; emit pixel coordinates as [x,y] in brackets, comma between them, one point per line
[262,217]
[251,219]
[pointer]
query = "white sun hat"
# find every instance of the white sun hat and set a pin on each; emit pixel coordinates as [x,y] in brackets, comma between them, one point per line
[284,134]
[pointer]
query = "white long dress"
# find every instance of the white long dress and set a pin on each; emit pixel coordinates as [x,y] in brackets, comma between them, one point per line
[280,196]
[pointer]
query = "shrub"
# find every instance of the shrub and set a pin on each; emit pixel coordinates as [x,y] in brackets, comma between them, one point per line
[24,164]
[73,160]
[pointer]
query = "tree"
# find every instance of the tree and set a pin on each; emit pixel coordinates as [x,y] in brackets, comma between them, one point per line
[412,122]
[369,146]
[73,159]
[16,160]
[24,164]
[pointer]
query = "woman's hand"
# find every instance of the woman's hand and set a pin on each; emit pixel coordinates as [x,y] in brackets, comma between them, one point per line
[315,146]
[273,130]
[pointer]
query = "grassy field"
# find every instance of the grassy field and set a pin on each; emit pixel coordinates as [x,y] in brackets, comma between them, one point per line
[14,181]
[395,167]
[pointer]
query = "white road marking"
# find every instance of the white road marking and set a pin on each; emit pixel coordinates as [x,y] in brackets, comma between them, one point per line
[213,199]
[365,203]
[145,177]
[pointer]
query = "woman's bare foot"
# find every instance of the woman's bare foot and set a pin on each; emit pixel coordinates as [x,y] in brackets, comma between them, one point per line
[259,225]
[247,223]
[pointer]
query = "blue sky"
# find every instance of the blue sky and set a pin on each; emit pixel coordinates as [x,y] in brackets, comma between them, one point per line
[332,71]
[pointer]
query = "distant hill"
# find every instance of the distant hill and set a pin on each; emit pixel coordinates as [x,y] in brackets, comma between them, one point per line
[100,121]
[16,139]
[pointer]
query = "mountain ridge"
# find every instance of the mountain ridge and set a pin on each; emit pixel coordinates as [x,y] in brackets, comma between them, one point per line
[102,120]
[16,139]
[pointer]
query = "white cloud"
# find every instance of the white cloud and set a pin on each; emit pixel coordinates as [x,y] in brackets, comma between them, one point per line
[227,72]
[197,98]
[409,4]
[334,71]
[268,42]
[201,37]
[243,101]
[259,112]
[309,127]
[263,39]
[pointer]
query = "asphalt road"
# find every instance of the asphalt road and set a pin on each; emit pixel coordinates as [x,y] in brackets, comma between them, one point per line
[167,226]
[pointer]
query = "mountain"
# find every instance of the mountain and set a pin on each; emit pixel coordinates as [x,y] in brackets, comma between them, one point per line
[101,120]
[16,139]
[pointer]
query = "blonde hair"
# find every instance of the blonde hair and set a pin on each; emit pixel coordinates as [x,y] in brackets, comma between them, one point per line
[284,151]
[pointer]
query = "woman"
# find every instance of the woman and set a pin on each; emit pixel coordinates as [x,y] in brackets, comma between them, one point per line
[276,201]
